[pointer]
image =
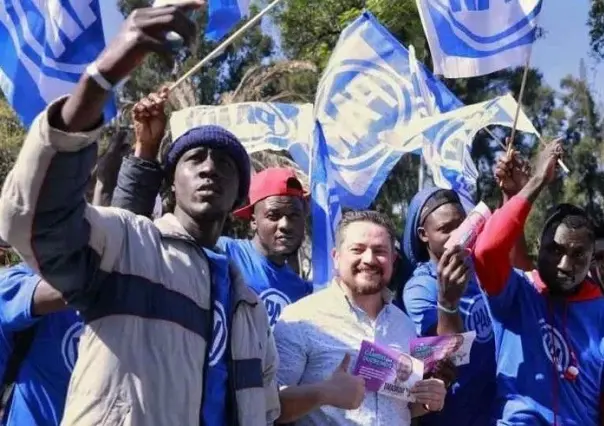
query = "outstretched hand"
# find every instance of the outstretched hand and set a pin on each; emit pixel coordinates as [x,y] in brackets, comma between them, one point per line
[143,32]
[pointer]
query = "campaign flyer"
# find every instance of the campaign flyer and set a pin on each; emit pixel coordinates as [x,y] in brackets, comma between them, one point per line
[456,347]
[388,371]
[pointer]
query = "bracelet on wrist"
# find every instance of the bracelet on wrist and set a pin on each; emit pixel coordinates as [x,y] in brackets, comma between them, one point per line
[447,310]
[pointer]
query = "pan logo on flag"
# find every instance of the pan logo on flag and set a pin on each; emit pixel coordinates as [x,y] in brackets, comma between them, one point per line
[69,344]
[471,24]
[47,24]
[357,100]
[258,125]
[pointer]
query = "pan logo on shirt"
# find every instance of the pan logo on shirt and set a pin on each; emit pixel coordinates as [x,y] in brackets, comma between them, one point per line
[274,302]
[478,318]
[69,344]
[220,335]
[555,346]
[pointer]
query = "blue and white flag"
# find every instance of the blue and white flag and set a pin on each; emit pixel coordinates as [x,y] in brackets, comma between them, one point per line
[258,125]
[325,211]
[469,38]
[223,15]
[448,139]
[364,94]
[462,177]
[46,46]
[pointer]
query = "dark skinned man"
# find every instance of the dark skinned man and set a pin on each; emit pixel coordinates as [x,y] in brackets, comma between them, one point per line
[277,211]
[547,323]
[173,335]
[440,306]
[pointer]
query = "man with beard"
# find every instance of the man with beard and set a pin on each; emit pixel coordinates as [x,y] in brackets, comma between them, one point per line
[277,212]
[548,322]
[318,338]
[173,336]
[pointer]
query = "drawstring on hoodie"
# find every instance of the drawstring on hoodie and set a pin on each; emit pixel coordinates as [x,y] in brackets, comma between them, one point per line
[557,367]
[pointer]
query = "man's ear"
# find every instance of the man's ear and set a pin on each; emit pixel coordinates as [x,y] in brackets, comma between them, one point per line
[336,258]
[253,223]
[422,235]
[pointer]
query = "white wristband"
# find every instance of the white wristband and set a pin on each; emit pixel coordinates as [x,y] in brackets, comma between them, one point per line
[93,71]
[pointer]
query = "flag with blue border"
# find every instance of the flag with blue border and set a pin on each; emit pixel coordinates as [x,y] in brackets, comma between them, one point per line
[469,38]
[46,46]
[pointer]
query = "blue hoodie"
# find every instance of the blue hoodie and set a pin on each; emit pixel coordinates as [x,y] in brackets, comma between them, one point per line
[470,398]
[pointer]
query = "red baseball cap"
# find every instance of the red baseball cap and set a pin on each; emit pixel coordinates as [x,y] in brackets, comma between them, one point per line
[271,182]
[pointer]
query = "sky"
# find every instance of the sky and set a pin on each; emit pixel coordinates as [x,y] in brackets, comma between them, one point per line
[566,41]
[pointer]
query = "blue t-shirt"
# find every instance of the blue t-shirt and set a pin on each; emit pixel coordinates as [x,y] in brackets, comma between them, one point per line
[214,409]
[532,331]
[470,397]
[41,386]
[277,286]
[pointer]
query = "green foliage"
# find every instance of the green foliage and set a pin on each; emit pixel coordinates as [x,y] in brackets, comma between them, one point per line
[596,27]
[11,137]
[309,31]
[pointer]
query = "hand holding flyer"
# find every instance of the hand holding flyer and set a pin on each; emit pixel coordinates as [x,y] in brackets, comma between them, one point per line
[388,371]
[456,347]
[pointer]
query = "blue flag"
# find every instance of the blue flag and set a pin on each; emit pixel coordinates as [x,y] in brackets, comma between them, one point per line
[364,102]
[46,46]
[223,15]
[475,37]
[325,210]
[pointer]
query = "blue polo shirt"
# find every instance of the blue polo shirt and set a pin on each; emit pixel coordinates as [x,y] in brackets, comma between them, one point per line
[41,387]
[277,286]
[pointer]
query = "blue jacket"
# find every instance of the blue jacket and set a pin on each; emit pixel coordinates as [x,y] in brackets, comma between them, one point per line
[470,397]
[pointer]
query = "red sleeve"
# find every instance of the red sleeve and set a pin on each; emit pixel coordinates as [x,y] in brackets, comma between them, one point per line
[496,241]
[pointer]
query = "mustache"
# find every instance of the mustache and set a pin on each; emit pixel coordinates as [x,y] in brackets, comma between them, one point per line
[369,268]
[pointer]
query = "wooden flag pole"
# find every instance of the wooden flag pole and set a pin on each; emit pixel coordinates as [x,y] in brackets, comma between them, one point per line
[237,34]
[519,106]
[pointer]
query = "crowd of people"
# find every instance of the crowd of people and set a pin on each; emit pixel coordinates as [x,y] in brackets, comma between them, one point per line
[116,317]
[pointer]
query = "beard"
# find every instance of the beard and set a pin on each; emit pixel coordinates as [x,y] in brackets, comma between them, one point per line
[361,286]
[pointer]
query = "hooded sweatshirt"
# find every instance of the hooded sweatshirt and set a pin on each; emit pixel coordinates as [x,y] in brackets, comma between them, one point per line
[470,397]
[550,352]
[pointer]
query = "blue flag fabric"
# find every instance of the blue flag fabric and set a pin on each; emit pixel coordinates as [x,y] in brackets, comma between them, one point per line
[475,37]
[46,46]
[364,100]
[223,15]
[325,210]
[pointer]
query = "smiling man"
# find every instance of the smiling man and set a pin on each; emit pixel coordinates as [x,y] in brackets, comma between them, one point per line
[318,338]
[277,212]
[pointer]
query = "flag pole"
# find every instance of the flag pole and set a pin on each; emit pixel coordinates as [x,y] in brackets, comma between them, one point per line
[222,46]
[520,96]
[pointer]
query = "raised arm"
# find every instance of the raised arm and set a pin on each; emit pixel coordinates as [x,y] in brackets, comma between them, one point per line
[503,229]
[512,174]
[140,175]
[43,213]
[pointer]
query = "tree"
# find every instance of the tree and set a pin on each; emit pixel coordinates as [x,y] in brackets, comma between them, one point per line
[12,134]
[596,27]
